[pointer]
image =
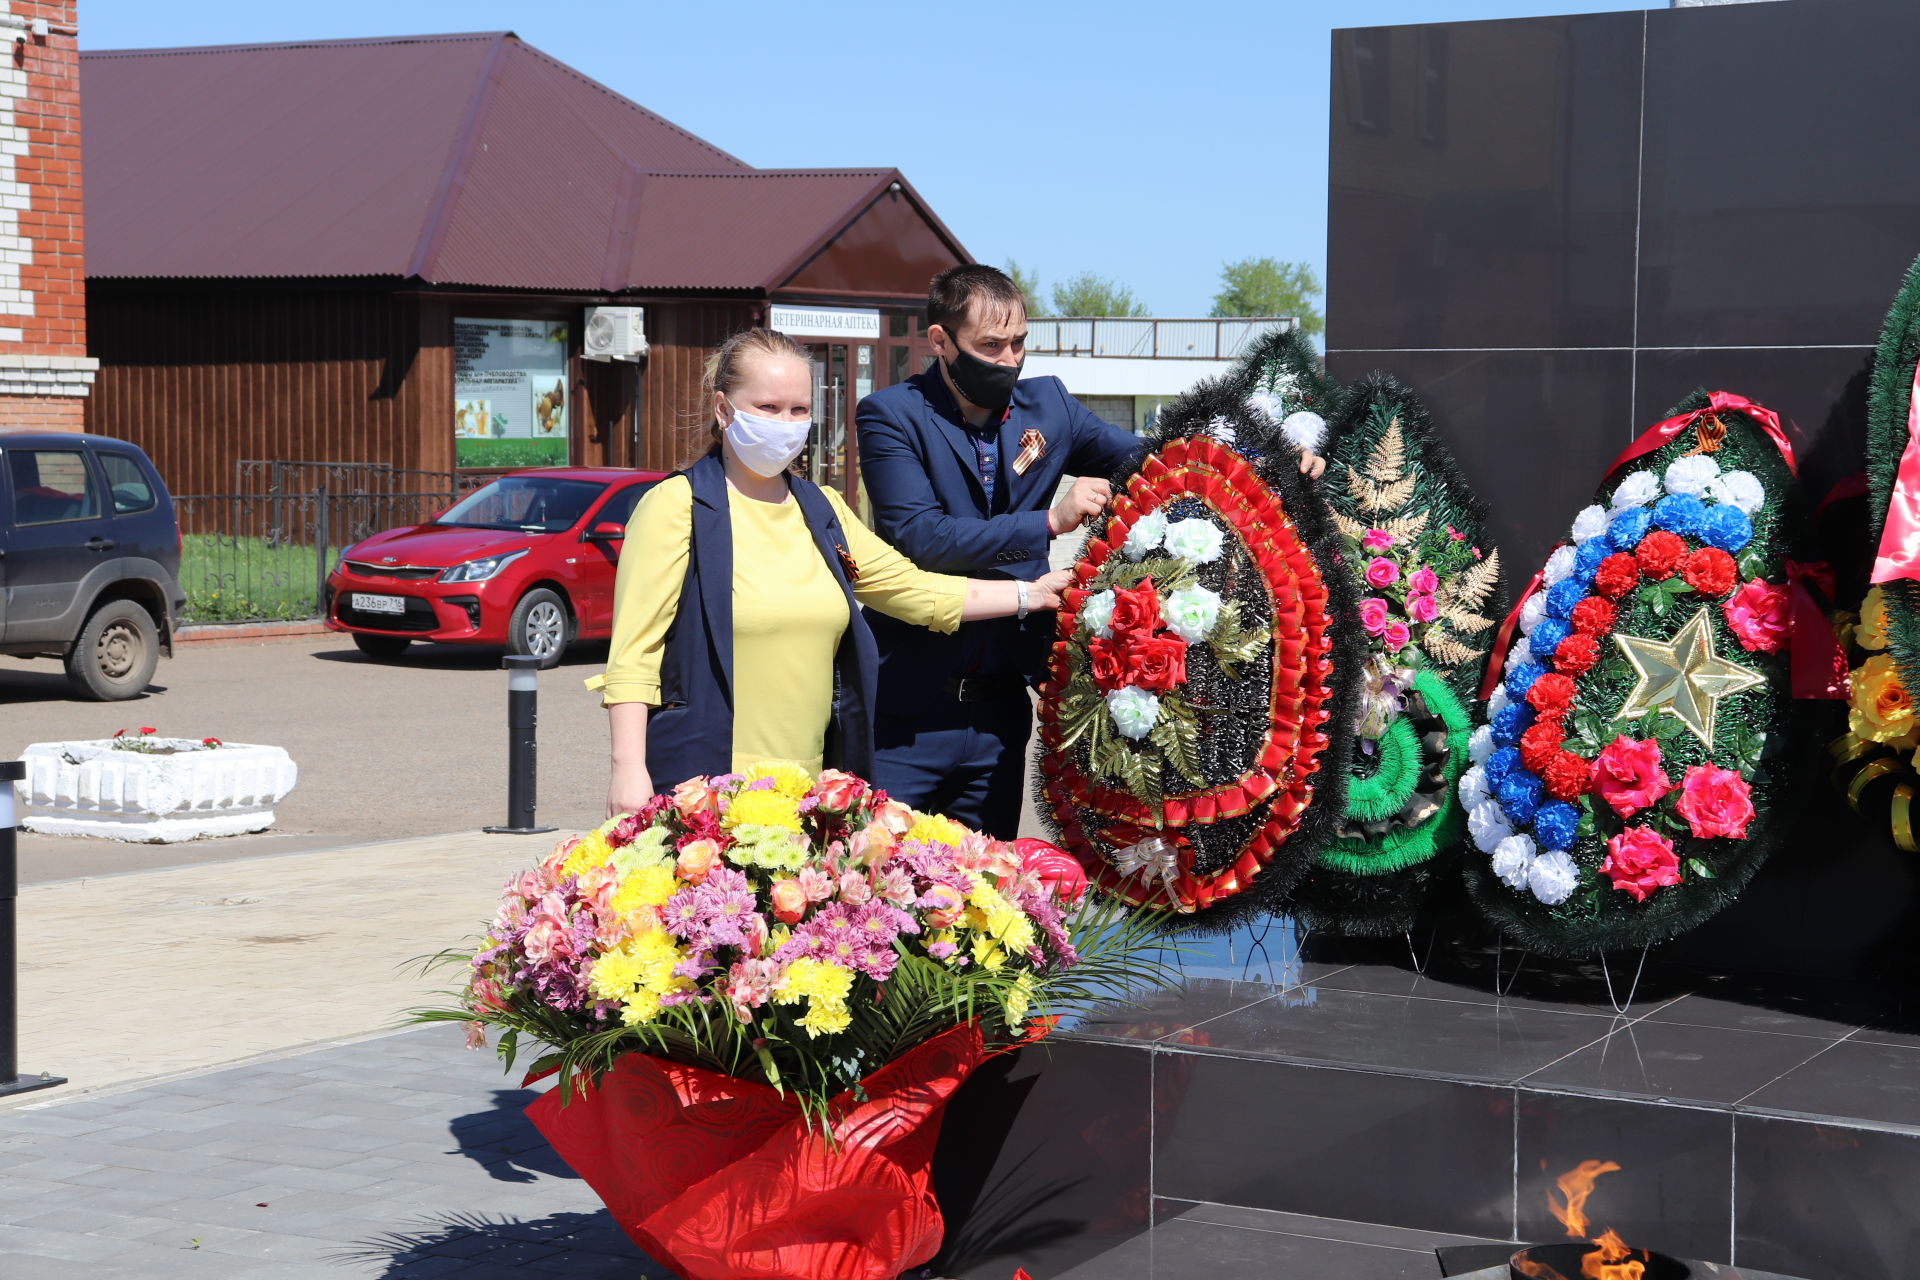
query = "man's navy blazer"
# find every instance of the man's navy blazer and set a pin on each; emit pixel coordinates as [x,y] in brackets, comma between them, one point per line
[923,479]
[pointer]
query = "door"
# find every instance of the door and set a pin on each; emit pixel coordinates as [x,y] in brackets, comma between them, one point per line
[57,536]
[600,558]
[843,374]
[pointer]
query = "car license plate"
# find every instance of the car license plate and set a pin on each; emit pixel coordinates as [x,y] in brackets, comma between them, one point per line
[379,604]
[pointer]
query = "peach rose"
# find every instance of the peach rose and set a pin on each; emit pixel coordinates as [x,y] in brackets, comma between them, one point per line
[789,901]
[697,857]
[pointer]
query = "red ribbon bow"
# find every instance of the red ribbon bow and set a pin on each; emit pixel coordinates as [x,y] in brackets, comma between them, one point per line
[1718,402]
[1899,553]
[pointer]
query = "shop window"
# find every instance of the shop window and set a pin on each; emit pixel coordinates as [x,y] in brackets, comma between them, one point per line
[510,393]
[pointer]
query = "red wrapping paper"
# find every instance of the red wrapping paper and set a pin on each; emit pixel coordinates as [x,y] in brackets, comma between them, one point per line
[720,1178]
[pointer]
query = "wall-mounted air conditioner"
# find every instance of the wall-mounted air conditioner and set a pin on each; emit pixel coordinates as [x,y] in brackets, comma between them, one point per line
[614,333]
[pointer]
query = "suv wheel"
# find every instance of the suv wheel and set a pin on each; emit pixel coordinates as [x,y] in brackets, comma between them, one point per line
[540,627]
[380,646]
[116,652]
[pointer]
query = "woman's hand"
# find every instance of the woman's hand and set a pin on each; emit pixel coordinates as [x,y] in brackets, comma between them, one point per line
[1049,592]
[629,790]
[1312,465]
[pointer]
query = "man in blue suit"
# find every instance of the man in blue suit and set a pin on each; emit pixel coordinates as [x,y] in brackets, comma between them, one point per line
[961,463]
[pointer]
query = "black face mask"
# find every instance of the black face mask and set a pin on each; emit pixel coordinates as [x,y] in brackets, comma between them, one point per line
[986,384]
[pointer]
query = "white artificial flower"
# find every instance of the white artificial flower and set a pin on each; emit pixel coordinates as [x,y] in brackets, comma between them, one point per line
[1268,405]
[1306,429]
[1480,745]
[1691,474]
[1197,540]
[1522,651]
[1553,878]
[1637,490]
[1740,489]
[1513,860]
[1559,565]
[1147,534]
[1487,825]
[1473,788]
[1220,427]
[1133,710]
[1097,613]
[1498,702]
[1190,613]
[1589,524]
[1533,612]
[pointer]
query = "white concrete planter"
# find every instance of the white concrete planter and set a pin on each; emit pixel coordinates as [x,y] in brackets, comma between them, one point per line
[90,789]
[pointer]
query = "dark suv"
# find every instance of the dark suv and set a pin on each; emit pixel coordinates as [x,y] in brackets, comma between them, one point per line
[89,559]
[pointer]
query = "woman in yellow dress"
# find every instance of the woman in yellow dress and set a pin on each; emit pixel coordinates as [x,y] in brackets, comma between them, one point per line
[736,636]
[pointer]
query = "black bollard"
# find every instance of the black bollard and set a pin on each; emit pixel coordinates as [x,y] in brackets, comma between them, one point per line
[11,1081]
[523,683]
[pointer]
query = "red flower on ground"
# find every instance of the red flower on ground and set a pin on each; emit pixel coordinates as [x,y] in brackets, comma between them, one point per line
[1157,663]
[1592,617]
[1710,571]
[1640,860]
[1576,654]
[1540,744]
[1551,694]
[1628,776]
[1567,776]
[1135,612]
[1716,803]
[1618,574]
[1758,616]
[1659,554]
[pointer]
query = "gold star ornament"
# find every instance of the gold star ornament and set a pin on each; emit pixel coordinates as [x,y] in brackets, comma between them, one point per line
[1683,676]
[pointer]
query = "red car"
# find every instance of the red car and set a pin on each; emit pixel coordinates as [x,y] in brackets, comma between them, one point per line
[526,562]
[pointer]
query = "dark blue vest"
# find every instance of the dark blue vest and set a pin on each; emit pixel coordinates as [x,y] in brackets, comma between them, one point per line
[691,733]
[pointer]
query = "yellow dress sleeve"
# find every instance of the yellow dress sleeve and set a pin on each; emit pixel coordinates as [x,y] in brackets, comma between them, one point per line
[893,584]
[646,593]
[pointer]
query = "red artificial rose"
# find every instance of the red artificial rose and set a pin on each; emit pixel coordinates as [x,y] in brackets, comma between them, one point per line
[1716,803]
[1135,612]
[1576,655]
[1710,571]
[1107,664]
[1628,776]
[1592,617]
[1551,694]
[1659,554]
[1566,776]
[1618,574]
[1540,743]
[1759,616]
[1640,860]
[1157,663]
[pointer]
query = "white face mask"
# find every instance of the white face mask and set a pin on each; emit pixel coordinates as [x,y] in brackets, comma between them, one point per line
[767,446]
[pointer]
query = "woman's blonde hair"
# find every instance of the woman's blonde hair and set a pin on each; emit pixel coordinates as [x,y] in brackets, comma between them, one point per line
[726,368]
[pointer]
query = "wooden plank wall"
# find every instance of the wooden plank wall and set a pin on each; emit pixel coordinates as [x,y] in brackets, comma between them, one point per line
[680,335]
[201,377]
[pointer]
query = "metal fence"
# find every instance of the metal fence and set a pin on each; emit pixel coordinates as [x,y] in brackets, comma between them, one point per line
[1160,339]
[264,554]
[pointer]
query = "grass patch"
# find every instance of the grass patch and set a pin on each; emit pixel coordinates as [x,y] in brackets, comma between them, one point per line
[247,579]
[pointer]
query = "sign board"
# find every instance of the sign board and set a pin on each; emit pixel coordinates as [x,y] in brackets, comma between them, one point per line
[509,393]
[825,322]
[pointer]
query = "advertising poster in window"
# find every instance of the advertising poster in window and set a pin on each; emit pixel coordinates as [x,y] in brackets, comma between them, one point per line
[509,393]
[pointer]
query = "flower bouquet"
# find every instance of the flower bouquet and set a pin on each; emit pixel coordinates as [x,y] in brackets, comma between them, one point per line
[1634,767]
[1877,760]
[759,991]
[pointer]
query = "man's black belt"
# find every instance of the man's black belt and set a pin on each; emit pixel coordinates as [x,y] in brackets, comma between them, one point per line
[985,688]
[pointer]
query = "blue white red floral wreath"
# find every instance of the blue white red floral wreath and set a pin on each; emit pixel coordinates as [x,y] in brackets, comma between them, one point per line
[1527,823]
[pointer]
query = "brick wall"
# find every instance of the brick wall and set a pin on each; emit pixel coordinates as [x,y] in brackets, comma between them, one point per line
[45,373]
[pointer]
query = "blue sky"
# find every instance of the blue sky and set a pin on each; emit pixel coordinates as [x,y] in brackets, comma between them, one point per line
[1147,142]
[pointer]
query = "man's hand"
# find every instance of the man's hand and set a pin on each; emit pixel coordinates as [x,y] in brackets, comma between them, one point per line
[1086,498]
[1312,465]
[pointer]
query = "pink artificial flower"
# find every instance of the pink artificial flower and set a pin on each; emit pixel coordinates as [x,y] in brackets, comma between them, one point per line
[476,1035]
[1382,572]
[943,905]
[1373,615]
[854,888]
[1421,608]
[1423,580]
[1640,860]
[815,883]
[1628,776]
[838,792]
[789,900]
[1716,803]
[1758,616]
[696,860]
[750,984]
[894,816]
[894,885]
[1376,540]
[1455,534]
[1397,637]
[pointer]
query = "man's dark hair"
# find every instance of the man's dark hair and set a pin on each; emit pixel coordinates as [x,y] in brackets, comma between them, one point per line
[951,295]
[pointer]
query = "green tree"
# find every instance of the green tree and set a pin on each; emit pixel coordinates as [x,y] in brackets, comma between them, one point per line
[1270,287]
[1088,294]
[1029,284]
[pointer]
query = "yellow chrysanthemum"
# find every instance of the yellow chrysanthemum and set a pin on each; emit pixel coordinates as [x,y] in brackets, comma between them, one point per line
[931,828]
[823,1019]
[993,915]
[814,979]
[614,975]
[762,809]
[645,887]
[1019,1000]
[640,1007]
[987,953]
[789,780]
[642,964]
[592,851]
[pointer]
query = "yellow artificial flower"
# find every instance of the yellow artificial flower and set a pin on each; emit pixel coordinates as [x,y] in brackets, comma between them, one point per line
[638,972]
[825,1019]
[645,887]
[825,987]
[789,780]
[993,915]
[592,851]
[640,1007]
[987,953]
[1881,711]
[1019,1000]
[762,809]
[614,975]
[929,828]
[1871,633]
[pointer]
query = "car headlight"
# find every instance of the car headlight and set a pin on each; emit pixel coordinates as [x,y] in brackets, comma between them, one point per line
[480,570]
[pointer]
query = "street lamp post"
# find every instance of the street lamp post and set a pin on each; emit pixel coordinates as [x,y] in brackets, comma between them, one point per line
[11,1081]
